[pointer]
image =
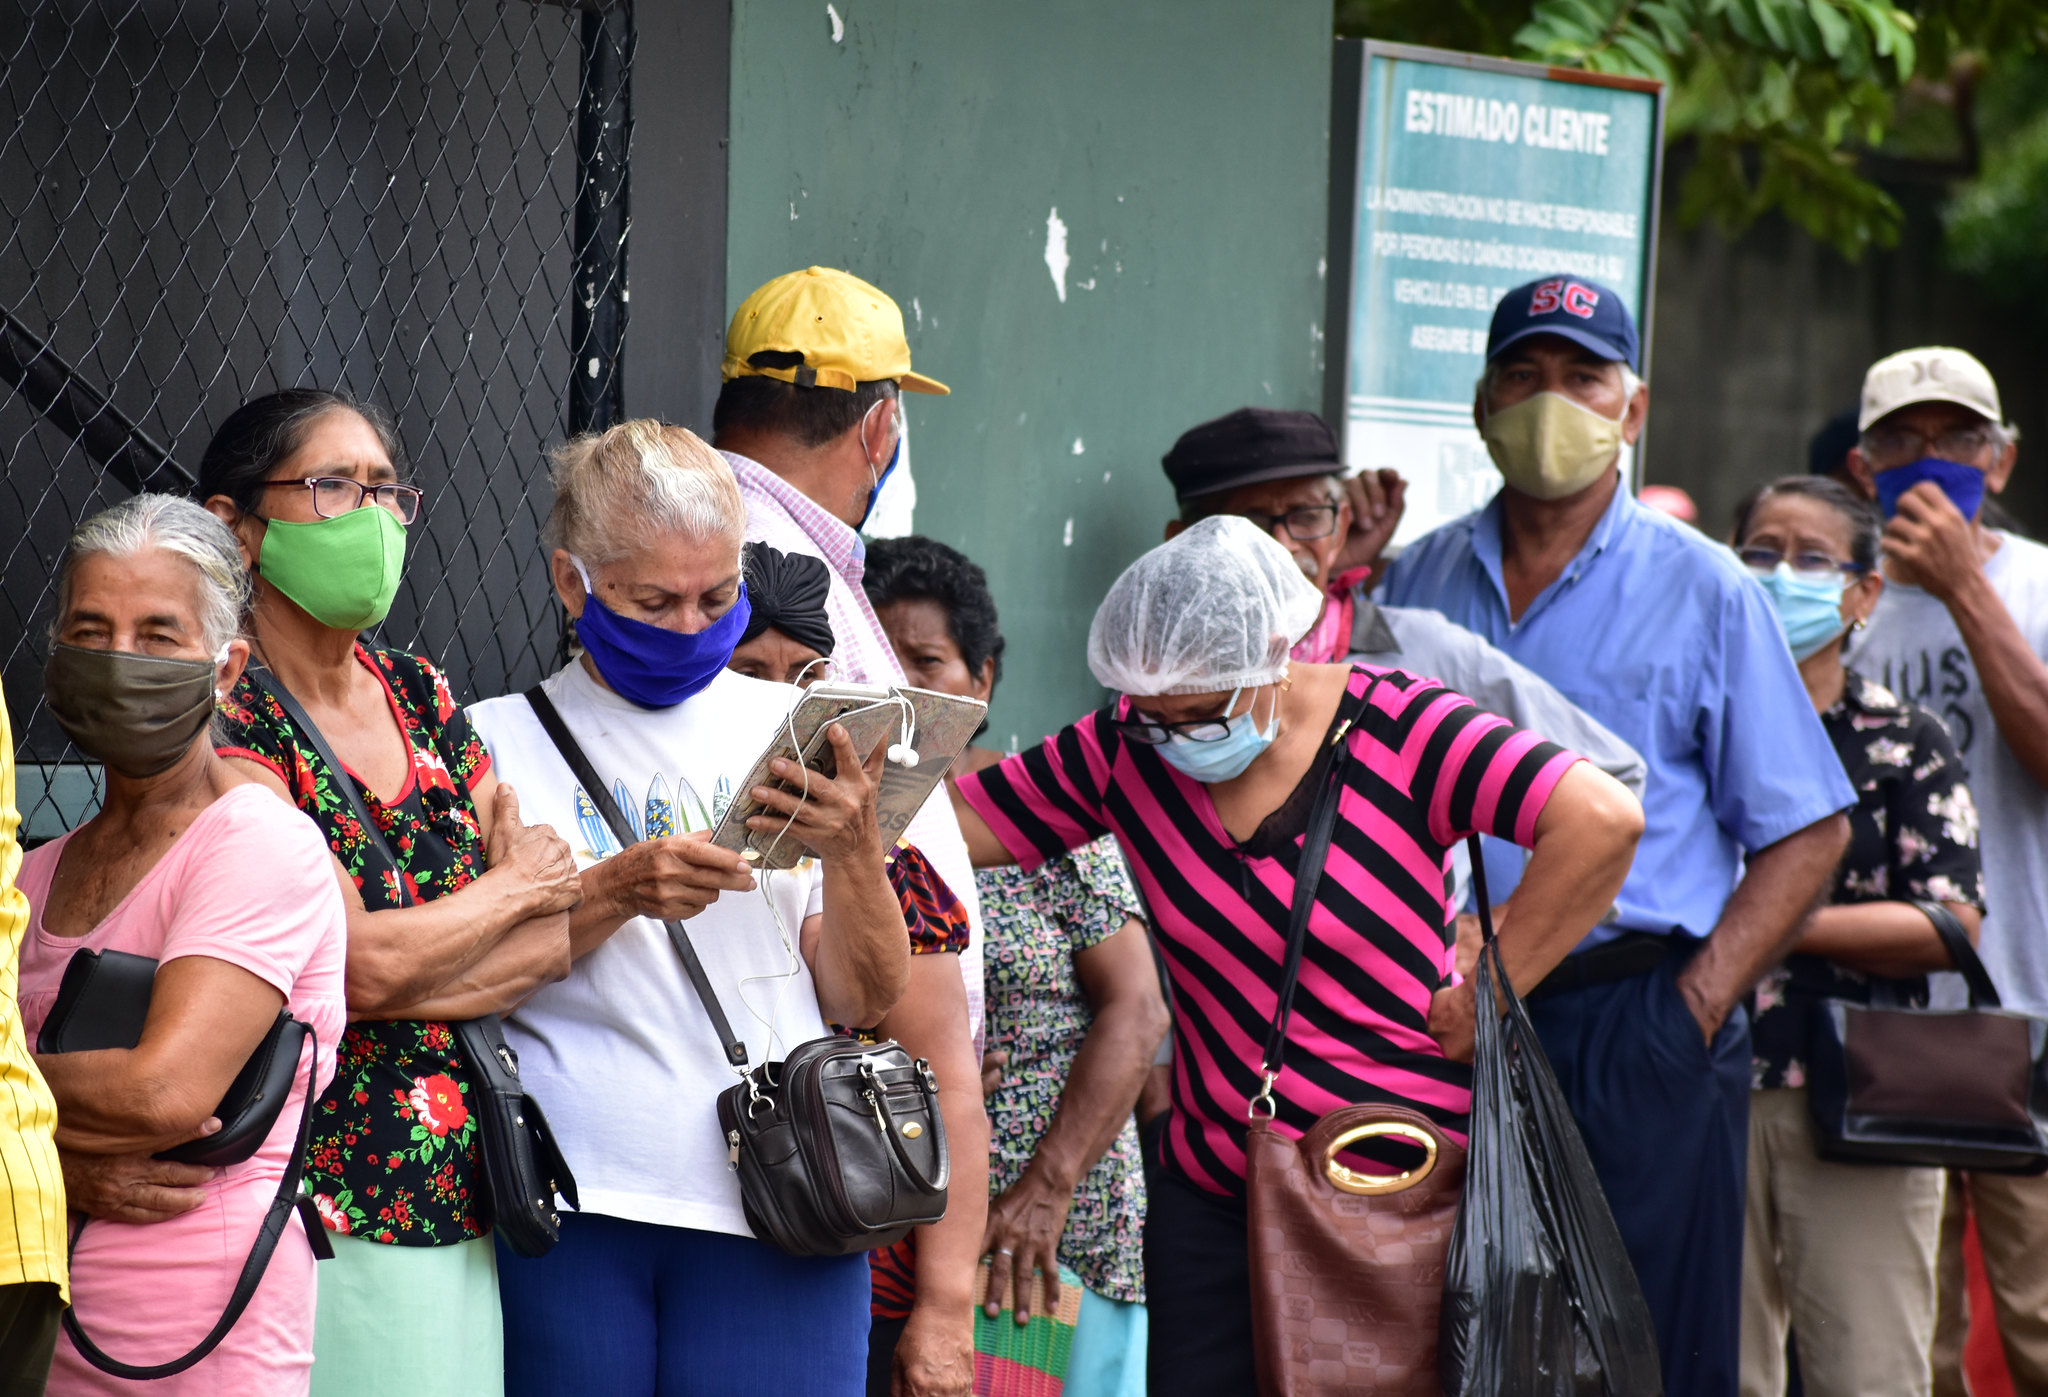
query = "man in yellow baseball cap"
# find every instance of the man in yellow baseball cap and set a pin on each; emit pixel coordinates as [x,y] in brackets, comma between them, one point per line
[810,420]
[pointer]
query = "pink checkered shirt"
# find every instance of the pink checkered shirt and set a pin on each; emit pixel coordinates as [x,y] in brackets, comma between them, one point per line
[785,518]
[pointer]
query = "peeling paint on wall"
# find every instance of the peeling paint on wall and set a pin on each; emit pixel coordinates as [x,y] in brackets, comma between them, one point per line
[1056,252]
[1078,448]
[1068,539]
[838,24]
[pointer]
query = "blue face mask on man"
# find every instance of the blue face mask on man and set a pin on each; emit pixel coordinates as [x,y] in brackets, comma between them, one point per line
[1228,756]
[648,665]
[1809,608]
[875,490]
[1964,485]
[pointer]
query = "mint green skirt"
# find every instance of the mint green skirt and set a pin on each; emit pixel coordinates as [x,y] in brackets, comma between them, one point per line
[408,1321]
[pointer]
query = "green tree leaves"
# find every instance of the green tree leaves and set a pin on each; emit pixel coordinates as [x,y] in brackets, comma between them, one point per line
[1780,97]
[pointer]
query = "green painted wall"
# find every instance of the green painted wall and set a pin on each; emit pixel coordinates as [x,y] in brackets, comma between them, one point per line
[1184,145]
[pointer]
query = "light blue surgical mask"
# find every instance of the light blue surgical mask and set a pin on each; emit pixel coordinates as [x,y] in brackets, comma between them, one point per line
[1809,608]
[1226,757]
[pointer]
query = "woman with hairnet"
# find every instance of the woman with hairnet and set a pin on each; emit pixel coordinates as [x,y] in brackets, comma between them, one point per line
[1205,767]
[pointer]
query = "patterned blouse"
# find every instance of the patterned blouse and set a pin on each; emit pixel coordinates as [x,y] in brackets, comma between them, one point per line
[1033,924]
[394,1151]
[1912,837]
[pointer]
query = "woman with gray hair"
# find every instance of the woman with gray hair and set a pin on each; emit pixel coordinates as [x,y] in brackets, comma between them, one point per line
[144,642]
[456,907]
[658,1284]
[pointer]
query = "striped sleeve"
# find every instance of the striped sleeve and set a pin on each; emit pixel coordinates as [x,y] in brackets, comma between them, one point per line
[1048,800]
[1473,771]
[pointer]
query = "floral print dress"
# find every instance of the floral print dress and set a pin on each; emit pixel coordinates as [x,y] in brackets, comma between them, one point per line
[393,1156]
[1033,924]
[1912,837]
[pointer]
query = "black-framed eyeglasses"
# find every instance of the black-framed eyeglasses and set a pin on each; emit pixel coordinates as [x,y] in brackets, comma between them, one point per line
[1763,561]
[336,495]
[1309,522]
[1150,732]
[1962,444]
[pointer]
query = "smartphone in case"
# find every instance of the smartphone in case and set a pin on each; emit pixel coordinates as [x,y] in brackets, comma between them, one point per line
[870,716]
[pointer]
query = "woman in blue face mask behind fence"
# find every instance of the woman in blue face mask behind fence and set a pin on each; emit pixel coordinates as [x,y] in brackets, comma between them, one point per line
[472,918]
[1845,1253]
[658,1285]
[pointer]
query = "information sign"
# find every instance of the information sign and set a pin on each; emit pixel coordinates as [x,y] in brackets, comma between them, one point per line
[1475,175]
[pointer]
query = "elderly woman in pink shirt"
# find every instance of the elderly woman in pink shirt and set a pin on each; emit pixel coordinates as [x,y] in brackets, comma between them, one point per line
[232,892]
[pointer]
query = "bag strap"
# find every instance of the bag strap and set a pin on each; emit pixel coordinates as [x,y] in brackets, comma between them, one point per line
[622,830]
[344,783]
[274,1222]
[1983,993]
[1308,876]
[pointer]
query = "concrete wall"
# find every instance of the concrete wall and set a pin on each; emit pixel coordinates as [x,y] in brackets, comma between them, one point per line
[927,145]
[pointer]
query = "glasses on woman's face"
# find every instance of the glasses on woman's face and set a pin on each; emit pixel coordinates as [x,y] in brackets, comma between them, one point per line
[1304,524]
[336,495]
[1150,732]
[1764,561]
[1903,444]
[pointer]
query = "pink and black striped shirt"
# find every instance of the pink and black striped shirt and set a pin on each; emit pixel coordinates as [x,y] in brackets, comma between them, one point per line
[1427,768]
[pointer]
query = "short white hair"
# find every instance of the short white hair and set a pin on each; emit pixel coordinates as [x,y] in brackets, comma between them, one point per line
[168,524]
[617,489]
[1629,382]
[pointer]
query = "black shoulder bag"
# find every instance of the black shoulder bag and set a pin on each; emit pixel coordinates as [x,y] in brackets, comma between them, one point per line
[523,1167]
[840,1147]
[1947,1088]
[103,1002]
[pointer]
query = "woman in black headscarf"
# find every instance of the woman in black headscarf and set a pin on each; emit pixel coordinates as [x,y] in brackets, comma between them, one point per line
[789,638]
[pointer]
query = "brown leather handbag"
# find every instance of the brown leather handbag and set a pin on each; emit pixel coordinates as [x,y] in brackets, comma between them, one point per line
[1347,1266]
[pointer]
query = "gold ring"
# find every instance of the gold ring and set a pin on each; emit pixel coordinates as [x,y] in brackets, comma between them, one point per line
[1351,1182]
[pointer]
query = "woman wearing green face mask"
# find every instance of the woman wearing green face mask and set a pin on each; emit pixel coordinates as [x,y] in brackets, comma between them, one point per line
[473,918]
[1842,1250]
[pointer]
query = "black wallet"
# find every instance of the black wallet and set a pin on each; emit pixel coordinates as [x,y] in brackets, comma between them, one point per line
[103,1002]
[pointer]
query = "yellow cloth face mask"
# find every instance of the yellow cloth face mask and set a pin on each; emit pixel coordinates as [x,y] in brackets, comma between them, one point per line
[1548,446]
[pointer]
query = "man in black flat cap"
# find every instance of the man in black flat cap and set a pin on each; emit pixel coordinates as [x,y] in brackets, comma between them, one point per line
[1279,469]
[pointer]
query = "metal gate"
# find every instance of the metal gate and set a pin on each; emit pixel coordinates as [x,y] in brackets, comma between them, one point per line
[421,201]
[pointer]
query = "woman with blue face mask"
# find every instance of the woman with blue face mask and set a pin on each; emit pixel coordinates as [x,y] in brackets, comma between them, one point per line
[1844,1254]
[659,1283]
[1205,767]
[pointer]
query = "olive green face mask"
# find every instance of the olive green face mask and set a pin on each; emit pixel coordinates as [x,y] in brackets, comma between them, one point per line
[135,713]
[343,572]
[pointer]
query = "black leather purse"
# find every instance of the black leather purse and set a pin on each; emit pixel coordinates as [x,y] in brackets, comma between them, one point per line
[523,1167]
[103,1002]
[840,1147]
[1945,1088]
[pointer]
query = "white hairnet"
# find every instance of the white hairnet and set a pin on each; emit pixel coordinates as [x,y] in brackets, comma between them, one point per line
[1216,607]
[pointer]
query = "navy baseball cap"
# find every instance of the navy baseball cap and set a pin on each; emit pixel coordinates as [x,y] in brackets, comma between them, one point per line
[1580,309]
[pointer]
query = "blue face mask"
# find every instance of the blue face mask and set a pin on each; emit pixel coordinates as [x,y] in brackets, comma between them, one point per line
[1210,762]
[875,490]
[1809,608]
[1964,485]
[650,666]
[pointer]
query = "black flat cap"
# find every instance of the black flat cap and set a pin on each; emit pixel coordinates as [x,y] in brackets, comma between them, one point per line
[1249,447]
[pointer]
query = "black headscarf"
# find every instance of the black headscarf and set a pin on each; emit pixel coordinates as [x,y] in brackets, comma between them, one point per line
[787,592]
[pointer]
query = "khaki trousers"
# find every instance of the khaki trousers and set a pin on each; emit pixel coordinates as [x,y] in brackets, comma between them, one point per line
[2012,1226]
[1843,1254]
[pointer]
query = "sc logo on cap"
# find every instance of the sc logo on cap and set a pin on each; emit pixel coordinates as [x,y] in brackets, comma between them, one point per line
[1572,297]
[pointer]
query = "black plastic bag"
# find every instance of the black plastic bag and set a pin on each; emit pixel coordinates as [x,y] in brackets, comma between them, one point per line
[1540,1298]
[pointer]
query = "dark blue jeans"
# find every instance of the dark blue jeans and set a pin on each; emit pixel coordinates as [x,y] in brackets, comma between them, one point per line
[1666,1119]
[629,1309]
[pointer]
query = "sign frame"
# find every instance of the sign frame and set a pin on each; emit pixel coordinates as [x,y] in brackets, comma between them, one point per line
[1351,66]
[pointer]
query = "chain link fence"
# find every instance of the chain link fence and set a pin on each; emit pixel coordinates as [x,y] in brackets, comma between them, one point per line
[421,201]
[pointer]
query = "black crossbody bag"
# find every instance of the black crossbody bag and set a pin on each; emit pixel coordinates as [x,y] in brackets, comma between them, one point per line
[103,1002]
[840,1147]
[523,1167]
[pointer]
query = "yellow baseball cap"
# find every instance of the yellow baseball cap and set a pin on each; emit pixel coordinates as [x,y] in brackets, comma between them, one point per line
[847,331]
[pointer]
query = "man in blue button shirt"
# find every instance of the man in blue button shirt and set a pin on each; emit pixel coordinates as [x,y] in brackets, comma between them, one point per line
[1660,635]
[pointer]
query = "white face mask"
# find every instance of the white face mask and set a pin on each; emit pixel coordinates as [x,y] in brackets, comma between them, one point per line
[1548,446]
